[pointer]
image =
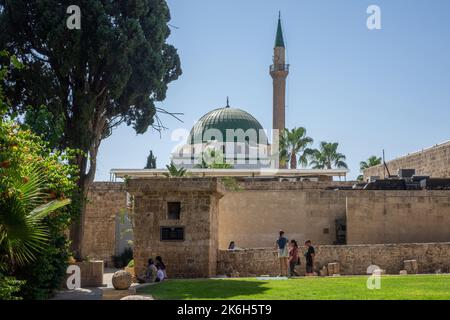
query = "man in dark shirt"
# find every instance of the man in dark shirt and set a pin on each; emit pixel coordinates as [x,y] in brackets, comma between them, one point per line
[309,255]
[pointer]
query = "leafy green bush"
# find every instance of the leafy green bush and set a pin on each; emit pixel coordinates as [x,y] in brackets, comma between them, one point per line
[122,260]
[9,288]
[20,152]
[48,272]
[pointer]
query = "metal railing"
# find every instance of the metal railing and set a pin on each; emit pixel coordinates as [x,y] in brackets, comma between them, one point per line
[279,67]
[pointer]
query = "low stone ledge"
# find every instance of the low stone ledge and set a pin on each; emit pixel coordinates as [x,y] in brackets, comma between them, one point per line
[352,259]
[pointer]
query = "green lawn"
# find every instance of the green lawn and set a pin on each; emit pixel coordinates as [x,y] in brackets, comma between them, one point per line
[409,287]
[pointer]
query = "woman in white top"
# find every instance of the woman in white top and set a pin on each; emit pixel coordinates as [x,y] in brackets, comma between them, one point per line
[159,275]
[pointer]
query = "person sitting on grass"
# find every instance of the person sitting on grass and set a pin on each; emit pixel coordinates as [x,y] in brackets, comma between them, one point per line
[150,273]
[160,275]
[160,264]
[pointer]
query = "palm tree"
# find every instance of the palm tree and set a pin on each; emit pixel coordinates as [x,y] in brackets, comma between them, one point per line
[213,159]
[371,162]
[328,157]
[23,207]
[295,143]
[174,172]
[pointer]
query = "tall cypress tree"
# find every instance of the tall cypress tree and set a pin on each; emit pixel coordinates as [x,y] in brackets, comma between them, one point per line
[109,72]
[151,161]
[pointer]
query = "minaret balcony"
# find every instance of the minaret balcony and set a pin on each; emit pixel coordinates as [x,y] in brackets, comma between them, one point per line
[279,67]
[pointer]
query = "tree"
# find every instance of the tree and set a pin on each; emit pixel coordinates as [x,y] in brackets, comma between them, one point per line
[109,72]
[295,143]
[151,161]
[328,157]
[371,162]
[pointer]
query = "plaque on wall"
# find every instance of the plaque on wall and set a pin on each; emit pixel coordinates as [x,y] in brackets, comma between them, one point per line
[172,233]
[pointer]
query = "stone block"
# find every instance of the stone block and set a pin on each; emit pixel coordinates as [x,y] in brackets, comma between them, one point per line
[403,272]
[333,268]
[91,273]
[411,266]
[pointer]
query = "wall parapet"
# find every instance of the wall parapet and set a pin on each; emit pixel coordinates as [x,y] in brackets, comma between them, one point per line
[145,186]
[106,186]
[277,185]
[433,161]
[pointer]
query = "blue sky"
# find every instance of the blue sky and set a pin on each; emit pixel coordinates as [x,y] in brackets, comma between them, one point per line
[368,90]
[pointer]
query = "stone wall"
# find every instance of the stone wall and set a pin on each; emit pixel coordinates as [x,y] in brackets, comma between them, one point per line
[274,184]
[434,162]
[252,218]
[398,216]
[353,259]
[105,201]
[196,255]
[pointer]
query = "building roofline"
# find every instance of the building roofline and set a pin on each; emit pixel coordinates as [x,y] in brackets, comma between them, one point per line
[267,172]
[422,150]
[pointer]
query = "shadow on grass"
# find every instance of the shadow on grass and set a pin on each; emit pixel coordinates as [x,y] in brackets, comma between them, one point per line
[205,289]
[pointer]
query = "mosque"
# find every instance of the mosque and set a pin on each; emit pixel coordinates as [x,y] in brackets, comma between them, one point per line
[236,135]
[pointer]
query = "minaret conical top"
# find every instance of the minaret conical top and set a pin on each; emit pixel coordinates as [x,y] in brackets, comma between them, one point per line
[279,40]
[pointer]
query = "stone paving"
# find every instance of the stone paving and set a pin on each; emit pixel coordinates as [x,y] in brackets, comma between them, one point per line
[96,293]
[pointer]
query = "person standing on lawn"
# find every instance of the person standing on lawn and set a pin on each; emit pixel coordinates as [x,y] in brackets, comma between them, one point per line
[283,253]
[309,255]
[293,258]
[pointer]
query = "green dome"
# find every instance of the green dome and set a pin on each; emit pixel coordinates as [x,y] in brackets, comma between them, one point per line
[226,118]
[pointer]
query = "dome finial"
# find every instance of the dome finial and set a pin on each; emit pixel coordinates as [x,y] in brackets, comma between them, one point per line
[228,102]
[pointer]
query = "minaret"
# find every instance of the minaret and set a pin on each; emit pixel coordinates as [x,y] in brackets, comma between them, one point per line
[279,71]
